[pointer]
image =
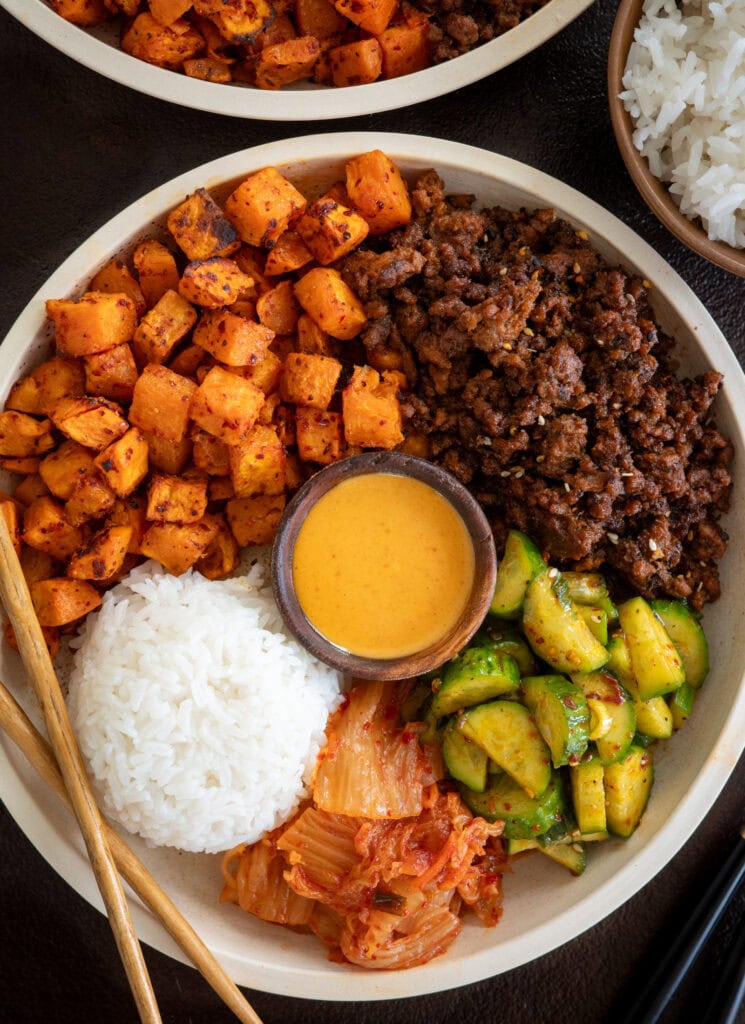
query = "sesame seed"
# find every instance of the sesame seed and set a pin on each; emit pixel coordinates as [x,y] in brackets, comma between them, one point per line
[576,268]
[599,342]
[553,573]
[567,488]
[541,421]
[485,238]
[646,283]
[513,431]
[702,564]
[519,473]
[616,405]
[627,474]
[505,472]
[502,271]
[612,537]
[486,441]
[629,297]
[530,333]
[535,275]
[583,235]
[507,347]
[652,544]
[540,458]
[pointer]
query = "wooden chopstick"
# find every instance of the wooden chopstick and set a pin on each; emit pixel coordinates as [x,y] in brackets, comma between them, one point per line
[16,599]
[27,738]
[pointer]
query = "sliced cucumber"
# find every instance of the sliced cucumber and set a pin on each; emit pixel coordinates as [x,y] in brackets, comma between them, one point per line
[524,817]
[590,588]
[508,734]
[685,631]
[520,563]
[505,640]
[554,630]
[475,675]
[464,760]
[515,846]
[655,662]
[681,705]
[432,734]
[654,718]
[628,784]
[596,620]
[616,739]
[619,662]
[561,714]
[570,855]
[588,795]
[412,707]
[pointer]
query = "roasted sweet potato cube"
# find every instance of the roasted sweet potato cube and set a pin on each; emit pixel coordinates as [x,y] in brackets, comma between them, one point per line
[115,277]
[285,62]
[162,328]
[166,12]
[51,636]
[39,565]
[213,283]
[85,13]
[111,374]
[30,488]
[405,48]
[284,420]
[60,601]
[264,206]
[255,520]
[208,69]
[238,21]
[26,465]
[220,488]
[92,422]
[201,229]
[22,436]
[257,464]
[103,556]
[160,403]
[319,18]
[211,455]
[278,30]
[331,303]
[330,229]
[371,410]
[167,455]
[226,405]
[357,63]
[271,402]
[319,435]
[221,557]
[252,262]
[178,546]
[130,512]
[278,310]
[37,392]
[310,380]
[156,270]
[62,468]
[187,360]
[92,498]
[370,15]
[124,463]
[232,339]
[311,339]
[9,509]
[94,322]
[176,499]
[266,374]
[47,527]
[167,46]
[297,472]
[378,191]
[290,251]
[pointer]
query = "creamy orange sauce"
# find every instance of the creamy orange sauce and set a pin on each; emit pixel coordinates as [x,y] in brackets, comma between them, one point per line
[383,565]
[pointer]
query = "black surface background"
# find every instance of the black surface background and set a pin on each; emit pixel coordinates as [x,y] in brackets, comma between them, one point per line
[76,149]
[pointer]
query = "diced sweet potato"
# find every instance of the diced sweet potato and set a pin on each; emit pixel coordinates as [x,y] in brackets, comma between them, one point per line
[278,310]
[111,374]
[319,435]
[331,303]
[162,328]
[103,556]
[166,12]
[255,520]
[357,63]
[25,465]
[286,62]
[265,374]
[201,229]
[331,230]
[187,360]
[22,436]
[266,415]
[370,15]
[257,464]
[38,391]
[284,420]
[60,601]
[85,13]
[61,469]
[167,455]
[92,323]
[378,191]
[405,48]
[220,488]
[264,206]
[232,339]
[226,405]
[290,251]
[319,18]
[11,511]
[92,422]
[279,30]
[176,499]
[213,283]
[51,636]
[221,557]
[238,21]
[208,69]
[310,380]
[168,46]
[252,262]
[311,339]
[160,403]
[92,498]
[371,410]
[130,512]
[156,270]
[124,463]
[211,455]
[115,278]
[30,488]
[47,527]
[178,546]
[38,565]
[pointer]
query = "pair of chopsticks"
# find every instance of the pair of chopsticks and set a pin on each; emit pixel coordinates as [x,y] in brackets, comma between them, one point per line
[661,987]
[61,766]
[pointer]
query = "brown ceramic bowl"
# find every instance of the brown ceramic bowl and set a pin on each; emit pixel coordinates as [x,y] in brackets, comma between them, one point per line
[484,578]
[652,190]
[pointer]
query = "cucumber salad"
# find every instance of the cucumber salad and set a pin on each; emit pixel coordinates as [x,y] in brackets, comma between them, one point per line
[546,719]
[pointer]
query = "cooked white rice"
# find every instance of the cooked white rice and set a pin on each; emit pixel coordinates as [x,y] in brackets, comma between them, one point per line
[685,92]
[200,719]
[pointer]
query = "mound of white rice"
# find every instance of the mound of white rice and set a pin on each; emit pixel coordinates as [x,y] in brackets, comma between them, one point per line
[685,92]
[200,719]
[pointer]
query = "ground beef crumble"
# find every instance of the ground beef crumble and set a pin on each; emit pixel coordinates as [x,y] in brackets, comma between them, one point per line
[541,380]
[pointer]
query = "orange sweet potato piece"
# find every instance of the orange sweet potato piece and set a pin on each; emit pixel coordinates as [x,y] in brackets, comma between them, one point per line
[92,323]
[221,557]
[187,360]
[38,565]
[9,509]
[201,229]
[102,557]
[213,283]
[46,527]
[156,270]
[370,15]
[178,546]
[330,229]
[211,455]
[91,421]
[378,191]
[160,403]
[115,278]
[92,498]
[265,374]
[53,379]
[25,465]
[238,20]
[167,46]
[257,464]
[318,18]
[167,455]
[82,12]
[310,379]
[220,488]
[111,374]
[61,469]
[284,420]
[162,328]
[286,62]
[405,48]
[130,512]
[331,303]
[30,488]
[264,206]
[176,499]
[279,30]
[255,520]
[319,435]
[232,339]
[289,253]
[166,12]
[60,601]
[278,310]
[356,63]
[226,405]
[124,463]
[22,436]
[311,339]
[208,69]
[371,410]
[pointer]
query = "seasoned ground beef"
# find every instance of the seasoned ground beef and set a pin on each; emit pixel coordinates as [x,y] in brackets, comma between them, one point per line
[541,380]
[456,26]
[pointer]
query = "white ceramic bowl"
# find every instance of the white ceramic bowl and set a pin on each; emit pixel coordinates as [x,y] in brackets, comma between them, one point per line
[544,906]
[99,50]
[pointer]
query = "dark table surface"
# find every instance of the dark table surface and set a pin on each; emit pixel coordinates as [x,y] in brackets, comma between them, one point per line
[77,148]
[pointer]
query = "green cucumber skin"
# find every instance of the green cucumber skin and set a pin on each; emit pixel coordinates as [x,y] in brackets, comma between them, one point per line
[561,714]
[572,856]
[475,675]
[508,734]
[521,562]
[588,795]
[507,640]
[686,632]
[554,630]
[591,588]
[681,705]
[596,620]
[628,784]
[465,761]
[616,743]
[655,662]
[524,817]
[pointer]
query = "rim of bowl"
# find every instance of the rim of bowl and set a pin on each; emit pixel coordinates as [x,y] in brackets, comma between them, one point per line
[444,484]
[304,103]
[652,190]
